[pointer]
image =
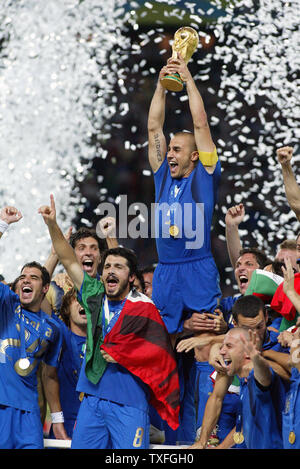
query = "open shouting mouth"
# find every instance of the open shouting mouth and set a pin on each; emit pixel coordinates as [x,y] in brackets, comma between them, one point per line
[173,165]
[26,292]
[111,282]
[88,265]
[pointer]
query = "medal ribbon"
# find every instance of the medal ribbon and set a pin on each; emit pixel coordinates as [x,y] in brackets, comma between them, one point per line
[238,436]
[292,407]
[238,425]
[22,336]
[109,319]
[173,198]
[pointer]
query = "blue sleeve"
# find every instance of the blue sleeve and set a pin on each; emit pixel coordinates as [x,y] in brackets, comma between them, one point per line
[295,374]
[205,186]
[267,403]
[7,297]
[225,306]
[216,178]
[276,386]
[159,177]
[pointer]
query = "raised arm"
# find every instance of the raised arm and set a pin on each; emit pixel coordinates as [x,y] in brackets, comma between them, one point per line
[213,409]
[106,228]
[295,348]
[202,133]
[288,284]
[234,216]
[51,387]
[8,215]
[280,362]
[61,246]
[261,367]
[292,189]
[52,260]
[157,145]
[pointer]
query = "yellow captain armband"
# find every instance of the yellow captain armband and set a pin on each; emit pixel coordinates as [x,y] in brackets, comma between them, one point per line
[208,158]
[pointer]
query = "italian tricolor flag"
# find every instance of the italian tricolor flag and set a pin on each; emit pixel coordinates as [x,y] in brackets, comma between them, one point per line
[264,284]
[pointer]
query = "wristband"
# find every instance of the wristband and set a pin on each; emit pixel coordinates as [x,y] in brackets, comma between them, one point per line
[57,417]
[3,226]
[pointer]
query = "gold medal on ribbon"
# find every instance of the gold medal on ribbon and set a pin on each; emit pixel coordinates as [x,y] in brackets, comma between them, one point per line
[292,438]
[238,438]
[24,363]
[174,230]
[23,366]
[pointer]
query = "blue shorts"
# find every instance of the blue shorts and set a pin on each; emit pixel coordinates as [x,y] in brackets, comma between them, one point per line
[204,387]
[103,424]
[185,287]
[20,429]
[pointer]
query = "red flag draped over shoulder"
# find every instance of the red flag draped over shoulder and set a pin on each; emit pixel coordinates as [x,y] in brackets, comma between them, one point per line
[139,341]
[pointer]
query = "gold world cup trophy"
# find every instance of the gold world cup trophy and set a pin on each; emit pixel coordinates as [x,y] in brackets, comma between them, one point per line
[185,43]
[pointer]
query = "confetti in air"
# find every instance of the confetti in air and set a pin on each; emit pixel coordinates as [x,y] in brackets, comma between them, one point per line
[248,68]
[259,97]
[251,74]
[59,63]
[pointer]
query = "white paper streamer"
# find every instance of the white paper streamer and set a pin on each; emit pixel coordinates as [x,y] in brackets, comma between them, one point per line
[59,62]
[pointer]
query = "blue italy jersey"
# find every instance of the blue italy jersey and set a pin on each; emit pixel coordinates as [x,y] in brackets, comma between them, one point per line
[226,305]
[262,412]
[183,194]
[271,342]
[69,367]
[40,337]
[186,278]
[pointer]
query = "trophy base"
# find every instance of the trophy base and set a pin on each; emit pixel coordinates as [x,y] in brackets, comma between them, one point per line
[172,82]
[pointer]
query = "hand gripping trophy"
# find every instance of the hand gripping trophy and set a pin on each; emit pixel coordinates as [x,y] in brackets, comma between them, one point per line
[185,43]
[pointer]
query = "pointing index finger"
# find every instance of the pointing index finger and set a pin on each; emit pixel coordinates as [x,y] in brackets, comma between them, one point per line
[52,203]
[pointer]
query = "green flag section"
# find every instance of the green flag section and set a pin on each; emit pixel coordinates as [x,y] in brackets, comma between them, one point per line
[264,284]
[90,297]
[285,324]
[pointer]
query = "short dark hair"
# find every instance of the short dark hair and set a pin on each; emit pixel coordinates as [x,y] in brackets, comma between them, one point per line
[140,278]
[45,274]
[84,232]
[13,285]
[128,254]
[260,256]
[248,306]
[148,269]
[66,301]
